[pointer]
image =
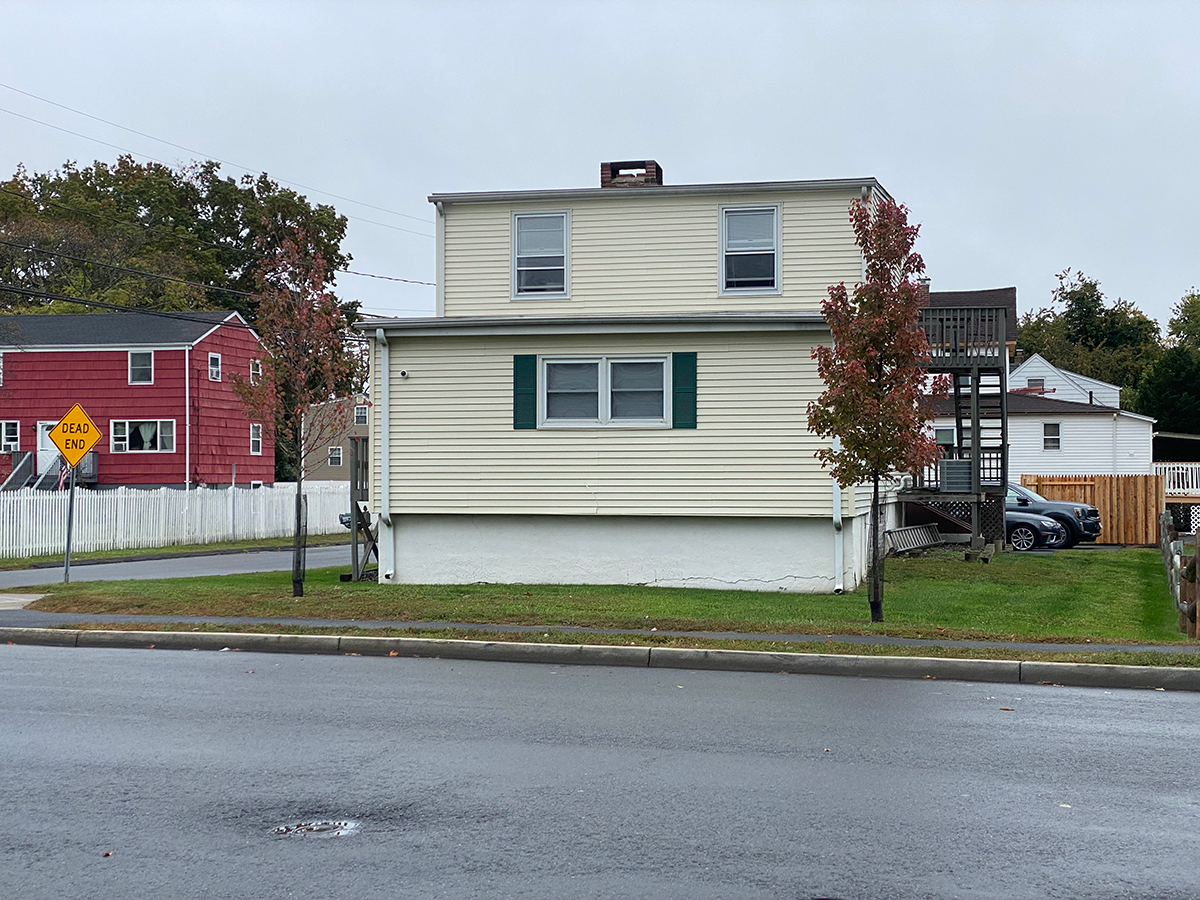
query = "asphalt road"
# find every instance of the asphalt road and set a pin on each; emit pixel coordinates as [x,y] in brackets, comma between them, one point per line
[470,779]
[180,567]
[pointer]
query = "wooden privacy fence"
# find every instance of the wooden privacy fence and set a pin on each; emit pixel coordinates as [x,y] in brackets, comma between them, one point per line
[1130,505]
[34,523]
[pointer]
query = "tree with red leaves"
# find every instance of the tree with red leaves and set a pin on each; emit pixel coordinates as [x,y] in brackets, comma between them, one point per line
[310,359]
[875,370]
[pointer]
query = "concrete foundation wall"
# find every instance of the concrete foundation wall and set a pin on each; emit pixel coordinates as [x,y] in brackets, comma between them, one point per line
[763,554]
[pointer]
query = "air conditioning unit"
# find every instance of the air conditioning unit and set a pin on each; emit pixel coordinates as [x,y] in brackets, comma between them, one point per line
[954,476]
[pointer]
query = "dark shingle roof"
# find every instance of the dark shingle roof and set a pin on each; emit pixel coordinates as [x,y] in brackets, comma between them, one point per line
[992,297]
[108,329]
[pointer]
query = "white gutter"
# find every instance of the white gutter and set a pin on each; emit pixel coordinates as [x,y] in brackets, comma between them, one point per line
[839,535]
[387,548]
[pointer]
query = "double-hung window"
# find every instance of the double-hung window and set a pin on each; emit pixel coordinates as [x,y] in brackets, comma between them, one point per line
[10,437]
[153,436]
[629,391]
[750,250]
[214,367]
[141,367]
[335,456]
[541,253]
[255,371]
[360,415]
[256,439]
[1051,436]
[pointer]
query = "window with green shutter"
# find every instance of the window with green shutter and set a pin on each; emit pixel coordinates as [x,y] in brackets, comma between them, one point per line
[525,391]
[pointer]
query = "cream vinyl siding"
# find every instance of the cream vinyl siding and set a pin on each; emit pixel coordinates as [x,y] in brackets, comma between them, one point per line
[454,448]
[647,254]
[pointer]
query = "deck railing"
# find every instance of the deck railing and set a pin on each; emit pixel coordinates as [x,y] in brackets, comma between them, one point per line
[963,337]
[1180,479]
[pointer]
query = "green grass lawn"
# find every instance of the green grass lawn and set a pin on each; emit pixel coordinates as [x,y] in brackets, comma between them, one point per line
[1069,596]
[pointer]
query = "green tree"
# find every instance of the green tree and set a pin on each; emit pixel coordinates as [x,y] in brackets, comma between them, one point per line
[1081,332]
[1184,326]
[188,223]
[875,371]
[1170,391]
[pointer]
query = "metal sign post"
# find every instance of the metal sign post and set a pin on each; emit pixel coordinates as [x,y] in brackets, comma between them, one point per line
[74,435]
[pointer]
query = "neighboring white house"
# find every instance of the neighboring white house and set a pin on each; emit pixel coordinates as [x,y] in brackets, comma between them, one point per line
[1039,374]
[1049,436]
[614,390]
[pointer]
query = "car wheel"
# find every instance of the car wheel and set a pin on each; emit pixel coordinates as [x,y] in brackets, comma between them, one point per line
[1073,535]
[1023,538]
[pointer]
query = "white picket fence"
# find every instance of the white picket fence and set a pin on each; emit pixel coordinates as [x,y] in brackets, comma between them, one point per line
[34,523]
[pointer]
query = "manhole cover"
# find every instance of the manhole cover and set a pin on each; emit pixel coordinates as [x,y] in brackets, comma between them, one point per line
[318,829]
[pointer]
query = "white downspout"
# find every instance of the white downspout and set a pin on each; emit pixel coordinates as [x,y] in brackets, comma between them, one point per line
[838,534]
[386,539]
[187,439]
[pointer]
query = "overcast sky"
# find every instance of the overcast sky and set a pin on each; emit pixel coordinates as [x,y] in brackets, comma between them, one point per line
[1026,137]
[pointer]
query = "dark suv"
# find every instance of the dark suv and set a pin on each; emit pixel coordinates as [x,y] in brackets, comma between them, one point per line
[1081,521]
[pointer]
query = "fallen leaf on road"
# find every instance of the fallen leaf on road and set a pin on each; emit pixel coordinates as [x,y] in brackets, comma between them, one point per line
[149,646]
[1065,805]
[827,750]
[394,653]
[1007,709]
[249,671]
[107,853]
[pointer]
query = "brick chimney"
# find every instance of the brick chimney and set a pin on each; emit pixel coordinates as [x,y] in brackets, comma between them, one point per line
[633,173]
[923,293]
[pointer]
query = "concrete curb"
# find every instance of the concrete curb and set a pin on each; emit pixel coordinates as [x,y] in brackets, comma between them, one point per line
[990,670]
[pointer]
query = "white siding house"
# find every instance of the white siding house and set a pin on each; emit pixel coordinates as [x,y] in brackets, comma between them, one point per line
[614,390]
[1037,374]
[1055,437]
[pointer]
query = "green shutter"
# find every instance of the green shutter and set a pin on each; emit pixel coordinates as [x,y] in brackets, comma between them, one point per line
[524,392]
[683,390]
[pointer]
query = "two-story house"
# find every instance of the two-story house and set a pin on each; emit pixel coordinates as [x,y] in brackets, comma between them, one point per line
[614,389]
[158,387]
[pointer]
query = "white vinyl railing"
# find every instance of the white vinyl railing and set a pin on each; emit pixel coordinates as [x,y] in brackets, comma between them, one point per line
[34,523]
[1179,478]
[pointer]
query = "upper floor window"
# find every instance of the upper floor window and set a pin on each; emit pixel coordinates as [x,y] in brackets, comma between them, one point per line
[255,371]
[255,439]
[10,437]
[540,254]
[141,367]
[1,370]
[1051,436]
[605,391]
[214,367]
[1038,383]
[335,456]
[750,249]
[360,415]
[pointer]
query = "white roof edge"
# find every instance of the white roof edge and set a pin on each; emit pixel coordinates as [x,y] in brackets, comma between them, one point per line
[664,190]
[1073,377]
[682,322]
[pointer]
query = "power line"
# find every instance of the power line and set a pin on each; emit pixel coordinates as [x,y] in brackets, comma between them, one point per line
[168,165]
[176,236]
[92,262]
[226,162]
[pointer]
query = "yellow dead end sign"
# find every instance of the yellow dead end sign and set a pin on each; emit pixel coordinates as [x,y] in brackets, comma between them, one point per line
[75,435]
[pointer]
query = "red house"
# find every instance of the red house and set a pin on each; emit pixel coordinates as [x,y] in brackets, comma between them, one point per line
[159,388]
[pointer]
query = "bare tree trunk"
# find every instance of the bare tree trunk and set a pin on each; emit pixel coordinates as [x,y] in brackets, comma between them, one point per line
[876,556]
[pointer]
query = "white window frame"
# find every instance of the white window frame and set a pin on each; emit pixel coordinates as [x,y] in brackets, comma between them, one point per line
[129,367]
[1056,437]
[120,444]
[604,418]
[211,357]
[256,436]
[334,452]
[1041,383]
[565,293]
[724,210]
[255,371]
[10,444]
[364,415]
[1,370]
